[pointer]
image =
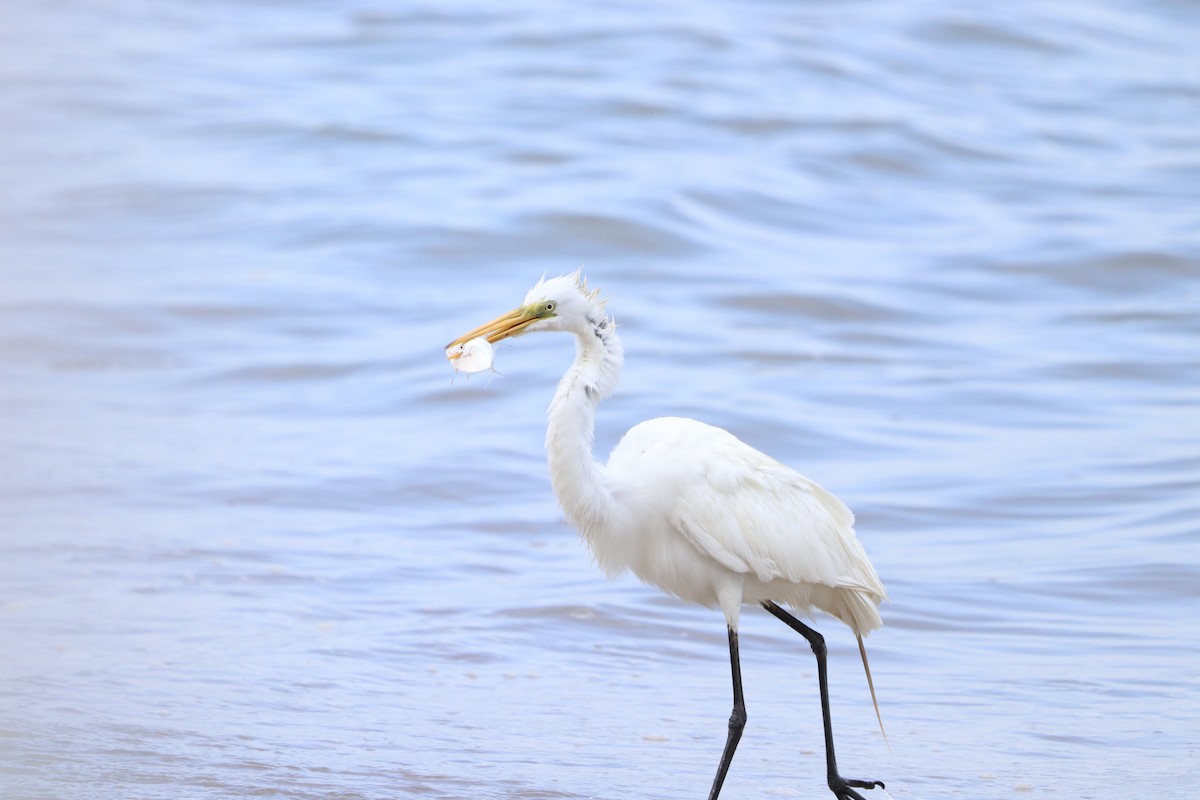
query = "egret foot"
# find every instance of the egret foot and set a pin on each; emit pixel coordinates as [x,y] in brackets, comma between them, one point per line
[842,788]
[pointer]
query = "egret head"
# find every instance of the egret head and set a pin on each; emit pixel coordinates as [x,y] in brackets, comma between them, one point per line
[554,304]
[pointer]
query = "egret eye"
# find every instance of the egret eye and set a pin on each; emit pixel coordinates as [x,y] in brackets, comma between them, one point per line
[551,305]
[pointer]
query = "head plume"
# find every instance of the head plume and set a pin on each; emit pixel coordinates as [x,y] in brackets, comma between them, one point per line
[593,295]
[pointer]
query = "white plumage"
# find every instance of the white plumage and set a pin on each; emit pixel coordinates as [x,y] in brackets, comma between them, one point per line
[690,508]
[755,529]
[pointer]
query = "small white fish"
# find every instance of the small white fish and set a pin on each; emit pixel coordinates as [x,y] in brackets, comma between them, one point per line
[475,355]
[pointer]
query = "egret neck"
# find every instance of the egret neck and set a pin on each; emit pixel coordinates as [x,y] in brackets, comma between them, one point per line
[577,479]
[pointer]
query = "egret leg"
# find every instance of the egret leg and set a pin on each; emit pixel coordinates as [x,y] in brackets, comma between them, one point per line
[843,788]
[737,720]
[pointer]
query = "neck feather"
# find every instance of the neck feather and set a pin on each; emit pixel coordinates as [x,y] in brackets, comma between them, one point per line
[577,478]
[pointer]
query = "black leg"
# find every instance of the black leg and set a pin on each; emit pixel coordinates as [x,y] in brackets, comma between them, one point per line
[837,784]
[737,720]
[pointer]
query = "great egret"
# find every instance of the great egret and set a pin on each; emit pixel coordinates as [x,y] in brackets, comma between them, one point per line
[693,510]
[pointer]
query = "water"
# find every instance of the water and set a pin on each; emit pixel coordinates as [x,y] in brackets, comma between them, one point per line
[255,542]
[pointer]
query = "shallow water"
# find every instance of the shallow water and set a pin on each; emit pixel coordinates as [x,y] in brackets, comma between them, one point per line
[256,542]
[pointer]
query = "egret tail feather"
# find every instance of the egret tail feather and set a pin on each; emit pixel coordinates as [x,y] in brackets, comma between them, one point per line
[862,650]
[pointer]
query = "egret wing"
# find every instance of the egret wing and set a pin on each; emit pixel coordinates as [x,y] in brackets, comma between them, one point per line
[755,515]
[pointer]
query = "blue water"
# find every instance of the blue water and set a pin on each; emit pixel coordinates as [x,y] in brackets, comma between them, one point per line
[255,541]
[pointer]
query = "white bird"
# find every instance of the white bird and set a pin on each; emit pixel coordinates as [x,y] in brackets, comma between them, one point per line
[693,510]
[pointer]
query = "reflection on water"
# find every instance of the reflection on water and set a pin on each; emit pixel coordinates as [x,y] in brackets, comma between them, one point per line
[256,541]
